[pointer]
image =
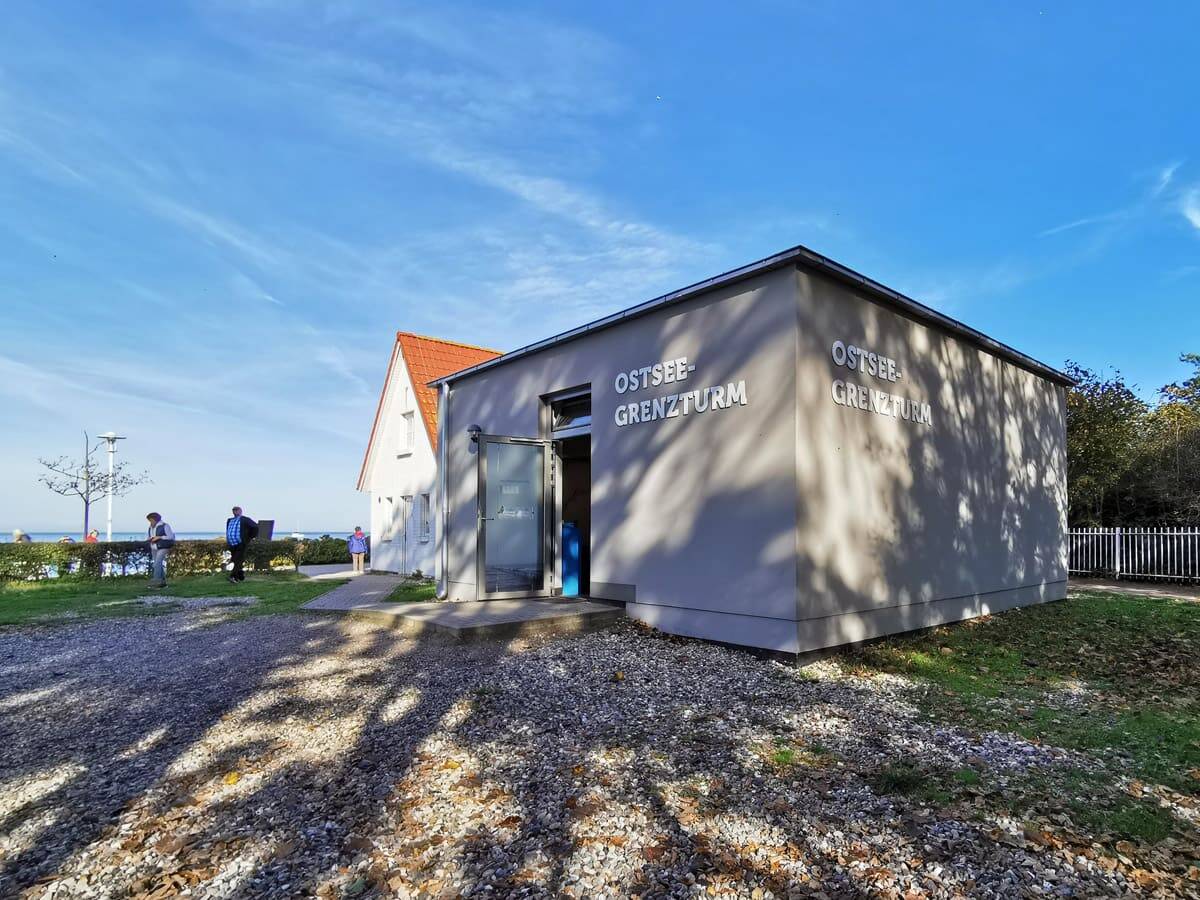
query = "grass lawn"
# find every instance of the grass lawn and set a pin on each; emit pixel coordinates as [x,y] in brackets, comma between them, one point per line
[1114,676]
[55,600]
[412,592]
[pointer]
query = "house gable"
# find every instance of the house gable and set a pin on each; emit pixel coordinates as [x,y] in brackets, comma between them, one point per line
[419,360]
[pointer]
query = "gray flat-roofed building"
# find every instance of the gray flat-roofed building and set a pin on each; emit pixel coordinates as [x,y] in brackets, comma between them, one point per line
[788,456]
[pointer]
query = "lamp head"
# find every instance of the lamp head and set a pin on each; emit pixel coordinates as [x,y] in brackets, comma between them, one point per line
[473,432]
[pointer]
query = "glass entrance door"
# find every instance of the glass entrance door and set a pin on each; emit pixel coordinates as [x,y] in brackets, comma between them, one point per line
[514,477]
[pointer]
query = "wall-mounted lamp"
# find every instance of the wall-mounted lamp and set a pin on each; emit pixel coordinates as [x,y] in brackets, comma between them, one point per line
[473,432]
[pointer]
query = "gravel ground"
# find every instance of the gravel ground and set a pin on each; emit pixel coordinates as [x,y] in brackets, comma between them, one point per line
[290,756]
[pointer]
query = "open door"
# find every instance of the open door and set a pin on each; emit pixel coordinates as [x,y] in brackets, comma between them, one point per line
[513,535]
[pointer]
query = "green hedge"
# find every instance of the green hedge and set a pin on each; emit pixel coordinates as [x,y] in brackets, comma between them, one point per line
[26,562]
[326,550]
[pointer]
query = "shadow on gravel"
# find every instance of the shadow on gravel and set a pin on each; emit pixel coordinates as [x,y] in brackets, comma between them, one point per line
[299,755]
[95,716]
[122,722]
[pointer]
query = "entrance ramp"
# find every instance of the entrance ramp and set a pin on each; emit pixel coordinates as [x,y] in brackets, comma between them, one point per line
[472,620]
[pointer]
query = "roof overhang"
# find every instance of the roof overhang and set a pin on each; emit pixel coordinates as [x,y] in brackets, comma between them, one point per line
[414,351]
[360,485]
[801,257]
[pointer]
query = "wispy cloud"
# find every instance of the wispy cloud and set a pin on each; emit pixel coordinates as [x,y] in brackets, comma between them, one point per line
[951,291]
[39,160]
[495,99]
[1165,175]
[245,286]
[333,359]
[1161,180]
[437,168]
[1179,273]
[1158,198]
[213,229]
[1115,216]
[1189,206]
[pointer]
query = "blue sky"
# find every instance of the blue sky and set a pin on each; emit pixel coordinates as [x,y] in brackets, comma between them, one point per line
[213,216]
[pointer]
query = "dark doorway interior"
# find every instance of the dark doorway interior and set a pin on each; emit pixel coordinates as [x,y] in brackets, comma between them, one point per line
[575,461]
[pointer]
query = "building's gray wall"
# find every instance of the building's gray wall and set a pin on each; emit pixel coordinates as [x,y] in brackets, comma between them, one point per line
[793,523]
[903,526]
[693,517]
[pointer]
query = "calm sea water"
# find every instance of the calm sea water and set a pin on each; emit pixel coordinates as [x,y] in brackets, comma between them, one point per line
[6,536]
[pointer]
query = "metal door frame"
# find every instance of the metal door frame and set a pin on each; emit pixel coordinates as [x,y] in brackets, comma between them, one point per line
[556,438]
[547,515]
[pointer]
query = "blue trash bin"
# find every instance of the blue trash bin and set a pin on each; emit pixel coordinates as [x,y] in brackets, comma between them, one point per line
[570,559]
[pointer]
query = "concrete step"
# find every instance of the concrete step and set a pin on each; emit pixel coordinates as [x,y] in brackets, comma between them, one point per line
[487,619]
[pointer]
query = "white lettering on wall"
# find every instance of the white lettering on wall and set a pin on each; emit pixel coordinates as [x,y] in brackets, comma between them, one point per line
[671,406]
[868,362]
[857,396]
[668,371]
[872,400]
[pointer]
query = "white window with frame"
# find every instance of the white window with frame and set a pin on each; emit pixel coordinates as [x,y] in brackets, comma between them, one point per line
[426,519]
[408,433]
[389,525]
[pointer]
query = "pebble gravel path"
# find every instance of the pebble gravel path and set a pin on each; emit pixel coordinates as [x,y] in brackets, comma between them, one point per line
[299,756]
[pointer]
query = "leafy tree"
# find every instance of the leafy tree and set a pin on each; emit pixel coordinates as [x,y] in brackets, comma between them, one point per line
[1131,462]
[1187,392]
[87,480]
[1105,420]
[1168,483]
[1172,463]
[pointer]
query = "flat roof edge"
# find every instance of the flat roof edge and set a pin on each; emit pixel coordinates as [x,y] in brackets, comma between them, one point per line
[799,256]
[923,313]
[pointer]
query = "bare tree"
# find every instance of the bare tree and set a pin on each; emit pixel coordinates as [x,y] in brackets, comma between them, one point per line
[87,480]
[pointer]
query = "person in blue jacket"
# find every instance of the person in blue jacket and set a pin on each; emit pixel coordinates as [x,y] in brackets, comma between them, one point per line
[357,543]
[240,530]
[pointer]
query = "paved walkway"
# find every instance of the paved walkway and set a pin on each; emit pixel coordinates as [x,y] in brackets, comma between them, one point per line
[330,572]
[365,597]
[363,591]
[1140,588]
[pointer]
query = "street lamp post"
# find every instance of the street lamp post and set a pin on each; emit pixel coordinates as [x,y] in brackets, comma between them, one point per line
[111,439]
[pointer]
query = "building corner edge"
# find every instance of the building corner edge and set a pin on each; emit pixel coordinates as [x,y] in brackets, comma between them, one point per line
[442,548]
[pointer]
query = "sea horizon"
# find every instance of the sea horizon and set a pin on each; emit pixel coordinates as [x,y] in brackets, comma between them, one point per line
[54,536]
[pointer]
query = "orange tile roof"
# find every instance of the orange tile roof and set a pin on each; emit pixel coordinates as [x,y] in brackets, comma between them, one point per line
[427,359]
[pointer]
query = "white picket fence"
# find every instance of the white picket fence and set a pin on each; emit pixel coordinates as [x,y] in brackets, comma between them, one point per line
[1169,553]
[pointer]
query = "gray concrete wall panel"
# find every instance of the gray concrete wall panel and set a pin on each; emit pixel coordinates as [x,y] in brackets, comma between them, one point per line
[694,510]
[900,513]
[795,520]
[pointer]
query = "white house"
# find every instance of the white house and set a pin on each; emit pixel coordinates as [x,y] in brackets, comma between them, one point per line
[399,470]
